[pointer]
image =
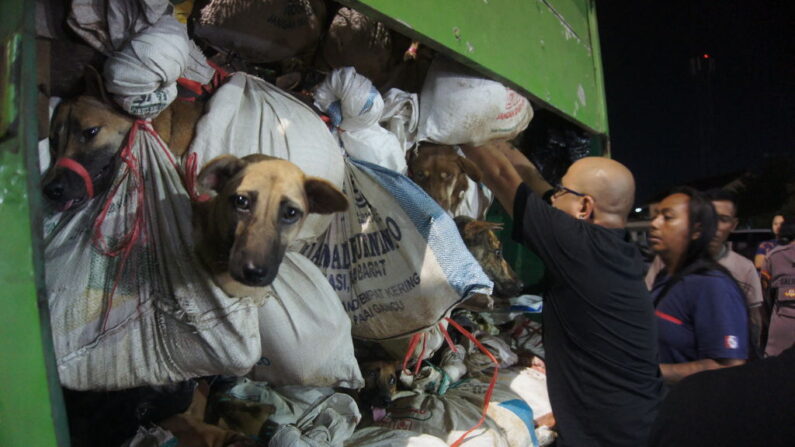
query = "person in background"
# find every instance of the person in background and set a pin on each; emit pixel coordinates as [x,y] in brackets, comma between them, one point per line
[778,278]
[701,312]
[599,332]
[765,247]
[741,269]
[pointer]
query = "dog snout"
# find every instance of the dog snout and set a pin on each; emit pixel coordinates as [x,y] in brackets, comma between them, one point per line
[508,289]
[254,274]
[54,190]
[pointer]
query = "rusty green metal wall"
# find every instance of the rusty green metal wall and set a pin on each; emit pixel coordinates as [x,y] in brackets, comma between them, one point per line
[31,413]
[548,49]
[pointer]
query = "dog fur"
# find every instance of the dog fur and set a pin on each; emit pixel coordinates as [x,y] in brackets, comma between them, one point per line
[485,246]
[259,207]
[442,173]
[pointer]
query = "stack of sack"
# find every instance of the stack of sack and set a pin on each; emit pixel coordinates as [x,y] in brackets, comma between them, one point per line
[130,305]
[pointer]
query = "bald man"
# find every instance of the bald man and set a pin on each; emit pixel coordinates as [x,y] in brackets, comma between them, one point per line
[599,330]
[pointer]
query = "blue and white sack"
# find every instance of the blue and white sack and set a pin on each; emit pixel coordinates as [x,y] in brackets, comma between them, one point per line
[395,258]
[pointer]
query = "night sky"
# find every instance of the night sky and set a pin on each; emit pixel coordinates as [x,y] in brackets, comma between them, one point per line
[672,118]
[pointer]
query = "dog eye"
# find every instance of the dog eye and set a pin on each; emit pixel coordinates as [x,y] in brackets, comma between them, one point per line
[498,252]
[373,374]
[240,203]
[91,132]
[392,380]
[290,215]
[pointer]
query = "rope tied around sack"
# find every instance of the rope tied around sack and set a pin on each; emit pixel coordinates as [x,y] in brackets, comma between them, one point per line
[125,244]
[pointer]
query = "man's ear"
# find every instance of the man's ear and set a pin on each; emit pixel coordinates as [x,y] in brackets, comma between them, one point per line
[219,171]
[587,208]
[696,232]
[324,198]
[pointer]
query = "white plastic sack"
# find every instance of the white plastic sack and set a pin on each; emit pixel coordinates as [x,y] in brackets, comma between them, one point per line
[247,115]
[355,107]
[458,106]
[156,319]
[508,423]
[308,416]
[384,437]
[395,258]
[400,116]
[147,49]
[305,332]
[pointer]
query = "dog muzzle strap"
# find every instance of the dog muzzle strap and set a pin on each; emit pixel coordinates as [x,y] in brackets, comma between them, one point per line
[78,169]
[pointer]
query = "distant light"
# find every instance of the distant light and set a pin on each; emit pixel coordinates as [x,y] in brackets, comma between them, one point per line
[705,56]
[637,210]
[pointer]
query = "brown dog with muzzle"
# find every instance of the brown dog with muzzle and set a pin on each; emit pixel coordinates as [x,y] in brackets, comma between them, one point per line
[259,207]
[86,134]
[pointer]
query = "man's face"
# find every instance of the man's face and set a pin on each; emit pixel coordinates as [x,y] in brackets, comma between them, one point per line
[776,227]
[670,228]
[727,222]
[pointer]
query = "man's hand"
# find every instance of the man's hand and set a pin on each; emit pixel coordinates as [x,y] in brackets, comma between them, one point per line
[499,174]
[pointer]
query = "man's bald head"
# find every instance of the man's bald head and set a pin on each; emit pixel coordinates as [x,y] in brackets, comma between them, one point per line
[611,185]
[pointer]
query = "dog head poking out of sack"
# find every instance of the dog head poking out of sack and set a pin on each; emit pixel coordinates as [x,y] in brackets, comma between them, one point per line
[442,173]
[259,207]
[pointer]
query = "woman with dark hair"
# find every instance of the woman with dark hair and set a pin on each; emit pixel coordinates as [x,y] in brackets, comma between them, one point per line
[765,247]
[701,314]
[778,283]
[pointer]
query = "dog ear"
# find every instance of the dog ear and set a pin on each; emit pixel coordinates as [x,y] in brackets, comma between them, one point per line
[324,198]
[94,84]
[470,169]
[218,171]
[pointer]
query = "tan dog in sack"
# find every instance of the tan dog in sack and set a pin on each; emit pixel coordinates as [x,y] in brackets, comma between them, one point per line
[442,173]
[261,202]
[86,134]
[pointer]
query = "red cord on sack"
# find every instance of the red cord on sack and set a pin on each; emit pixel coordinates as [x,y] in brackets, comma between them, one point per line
[412,344]
[447,338]
[78,169]
[124,248]
[422,354]
[492,383]
[191,176]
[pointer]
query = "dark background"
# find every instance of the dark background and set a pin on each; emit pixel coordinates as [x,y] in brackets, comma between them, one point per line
[700,92]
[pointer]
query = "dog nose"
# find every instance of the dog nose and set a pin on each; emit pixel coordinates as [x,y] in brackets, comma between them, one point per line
[254,274]
[54,190]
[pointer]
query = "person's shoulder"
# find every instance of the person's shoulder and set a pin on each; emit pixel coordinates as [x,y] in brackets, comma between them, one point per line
[737,262]
[766,245]
[781,250]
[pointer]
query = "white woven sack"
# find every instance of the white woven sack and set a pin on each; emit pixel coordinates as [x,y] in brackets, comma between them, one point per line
[384,437]
[395,258]
[509,421]
[306,334]
[248,115]
[355,107]
[156,319]
[400,116]
[458,106]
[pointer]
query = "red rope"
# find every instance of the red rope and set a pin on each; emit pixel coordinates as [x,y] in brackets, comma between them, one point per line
[492,383]
[78,169]
[422,353]
[412,344]
[125,246]
[447,338]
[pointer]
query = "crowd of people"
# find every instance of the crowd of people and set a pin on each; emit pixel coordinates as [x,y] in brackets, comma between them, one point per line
[669,355]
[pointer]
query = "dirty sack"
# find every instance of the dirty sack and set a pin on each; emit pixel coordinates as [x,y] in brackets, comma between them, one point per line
[395,258]
[299,416]
[400,116]
[305,332]
[355,40]
[355,108]
[264,30]
[248,115]
[129,303]
[385,437]
[458,106]
[508,422]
